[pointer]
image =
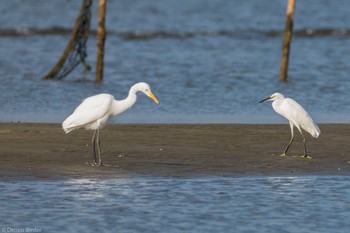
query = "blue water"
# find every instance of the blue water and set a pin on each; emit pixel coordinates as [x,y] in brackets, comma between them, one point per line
[214,62]
[161,204]
[218,74]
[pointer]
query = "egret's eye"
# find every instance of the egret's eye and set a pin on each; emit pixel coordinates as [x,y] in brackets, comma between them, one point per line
[147,90]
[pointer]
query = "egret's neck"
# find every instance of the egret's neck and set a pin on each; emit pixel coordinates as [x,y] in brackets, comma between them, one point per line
[120,106]
[276,104]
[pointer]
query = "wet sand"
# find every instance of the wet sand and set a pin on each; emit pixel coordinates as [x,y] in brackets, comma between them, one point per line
[45,151]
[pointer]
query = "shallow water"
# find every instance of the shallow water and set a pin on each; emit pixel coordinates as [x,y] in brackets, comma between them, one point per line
[229,62]
[207,61]
[162,204]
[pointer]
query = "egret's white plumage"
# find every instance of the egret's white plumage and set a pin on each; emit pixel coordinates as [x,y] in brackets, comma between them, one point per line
[296,115]
[91,114]
[94,112]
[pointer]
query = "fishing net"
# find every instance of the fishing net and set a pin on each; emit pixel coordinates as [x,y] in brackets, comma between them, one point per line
[76,50]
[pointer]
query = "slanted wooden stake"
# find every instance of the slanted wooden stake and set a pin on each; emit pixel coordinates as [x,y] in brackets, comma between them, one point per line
[101,37]
[287,40]
[77,45]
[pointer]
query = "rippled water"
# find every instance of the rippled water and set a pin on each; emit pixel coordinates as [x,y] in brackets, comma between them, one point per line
[160,204]
[229,62]
[207,61]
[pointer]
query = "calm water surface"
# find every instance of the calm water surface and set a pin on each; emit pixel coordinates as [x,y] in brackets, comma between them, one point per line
[160,204]
[218,74]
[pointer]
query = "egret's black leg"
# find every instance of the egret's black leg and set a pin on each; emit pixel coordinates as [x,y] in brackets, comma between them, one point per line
[304,141]
[291,140]
[99,148]
[290,143]
[94,146]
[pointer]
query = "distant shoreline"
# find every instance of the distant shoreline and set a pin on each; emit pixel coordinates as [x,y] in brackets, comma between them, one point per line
[44,151]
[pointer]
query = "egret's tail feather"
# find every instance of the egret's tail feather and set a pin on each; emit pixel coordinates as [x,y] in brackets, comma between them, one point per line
[68,126]
[67,130]
[315,131]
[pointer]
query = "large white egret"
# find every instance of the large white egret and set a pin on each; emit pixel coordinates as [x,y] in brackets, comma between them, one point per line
[296,115]
[94,111]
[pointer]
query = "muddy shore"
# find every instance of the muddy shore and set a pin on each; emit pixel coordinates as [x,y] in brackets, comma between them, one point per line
[44,151]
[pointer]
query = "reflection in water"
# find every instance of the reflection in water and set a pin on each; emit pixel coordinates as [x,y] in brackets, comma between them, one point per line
[205,204]
[84,189]
[290,185]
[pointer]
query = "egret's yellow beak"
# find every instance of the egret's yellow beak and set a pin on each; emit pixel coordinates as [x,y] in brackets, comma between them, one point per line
[150,94]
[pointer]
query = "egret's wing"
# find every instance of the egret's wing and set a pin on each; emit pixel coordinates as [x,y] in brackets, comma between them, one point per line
[295,113]
[90,110]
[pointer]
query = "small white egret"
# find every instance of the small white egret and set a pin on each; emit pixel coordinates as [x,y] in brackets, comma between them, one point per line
[296,115]
[94,111]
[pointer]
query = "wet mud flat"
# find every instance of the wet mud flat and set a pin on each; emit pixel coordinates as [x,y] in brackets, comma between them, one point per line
[36,150]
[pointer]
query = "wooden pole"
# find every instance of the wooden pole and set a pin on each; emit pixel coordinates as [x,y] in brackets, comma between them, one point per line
[101,37]
[287,40]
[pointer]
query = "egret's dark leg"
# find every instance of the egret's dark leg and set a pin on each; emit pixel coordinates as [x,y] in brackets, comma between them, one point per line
[304,141]
[290,143]
[98,148]
[291,140]
[94,146]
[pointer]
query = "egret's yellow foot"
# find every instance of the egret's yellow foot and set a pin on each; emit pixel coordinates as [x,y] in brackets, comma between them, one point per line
[282,155]
[306,157]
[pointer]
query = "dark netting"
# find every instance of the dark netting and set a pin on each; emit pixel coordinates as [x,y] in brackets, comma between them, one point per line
[76,51]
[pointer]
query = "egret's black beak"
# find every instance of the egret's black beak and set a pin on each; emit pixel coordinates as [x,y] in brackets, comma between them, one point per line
[265,99]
